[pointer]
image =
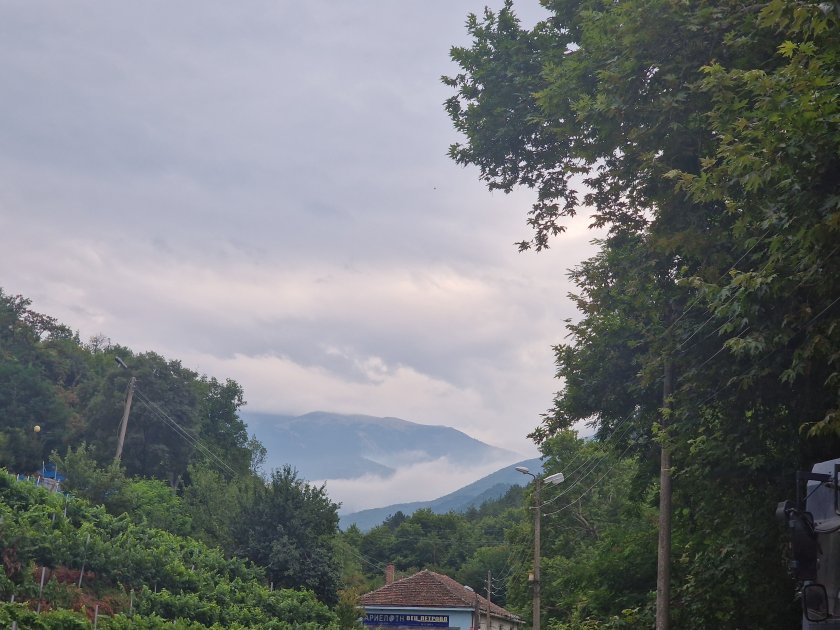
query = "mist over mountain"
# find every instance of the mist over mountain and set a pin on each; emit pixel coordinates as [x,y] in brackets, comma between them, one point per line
[330,446]
[493,486]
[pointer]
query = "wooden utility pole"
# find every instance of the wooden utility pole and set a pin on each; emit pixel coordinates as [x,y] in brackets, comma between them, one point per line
[489,587]
[124,423]
[536,585]
[663,561]
[477,615]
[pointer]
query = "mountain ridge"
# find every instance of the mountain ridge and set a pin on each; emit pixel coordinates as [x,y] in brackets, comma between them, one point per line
[324,445]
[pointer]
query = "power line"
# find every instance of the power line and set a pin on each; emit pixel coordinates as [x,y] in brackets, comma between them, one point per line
[821,313]
[590,488]
[568,465]
[703,402]
[722,348]
[684,313]
[676,321]
[748,328]
[375,565]
[592,464]
[589,465]
[802,281]
[600,460]
[184,433]
[726,273]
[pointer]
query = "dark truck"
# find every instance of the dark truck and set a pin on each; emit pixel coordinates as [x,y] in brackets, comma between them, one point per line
[814,524]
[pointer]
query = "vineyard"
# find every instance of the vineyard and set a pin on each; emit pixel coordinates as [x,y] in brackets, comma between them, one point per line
[84,568]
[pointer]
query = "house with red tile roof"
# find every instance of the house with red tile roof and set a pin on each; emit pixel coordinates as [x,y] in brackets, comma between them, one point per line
[431,600]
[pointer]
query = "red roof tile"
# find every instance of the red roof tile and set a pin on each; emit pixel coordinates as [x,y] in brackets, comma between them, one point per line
[431,590]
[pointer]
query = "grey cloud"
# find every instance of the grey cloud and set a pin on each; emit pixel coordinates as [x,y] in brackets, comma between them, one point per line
[235,181]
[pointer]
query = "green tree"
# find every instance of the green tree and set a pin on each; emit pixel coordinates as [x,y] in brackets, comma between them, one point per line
[221,425]
[163,417]
[216,505]
[348,611]
[776,169]
[290,529]
[702,137]
[153,502]
[33,391]
[84,476]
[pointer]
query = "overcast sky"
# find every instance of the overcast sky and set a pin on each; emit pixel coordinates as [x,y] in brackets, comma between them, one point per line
[261,189]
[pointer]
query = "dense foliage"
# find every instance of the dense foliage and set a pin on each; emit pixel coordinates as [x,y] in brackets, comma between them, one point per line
[703,138]
[464,546]
[74,392]
[188,467]
[289,527]
[136,575]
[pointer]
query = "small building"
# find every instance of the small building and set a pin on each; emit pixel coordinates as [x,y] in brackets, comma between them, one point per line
[431,600]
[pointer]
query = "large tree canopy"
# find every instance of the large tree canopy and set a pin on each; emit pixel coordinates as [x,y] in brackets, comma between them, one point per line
[289,527]
[704,138]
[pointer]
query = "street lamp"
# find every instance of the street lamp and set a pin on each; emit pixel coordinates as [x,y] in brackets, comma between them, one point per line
[538,481]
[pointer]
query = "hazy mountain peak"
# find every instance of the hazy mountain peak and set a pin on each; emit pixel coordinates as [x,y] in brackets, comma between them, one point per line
[325,445]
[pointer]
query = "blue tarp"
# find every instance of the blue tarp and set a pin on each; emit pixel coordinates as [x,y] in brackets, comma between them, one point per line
[50,471]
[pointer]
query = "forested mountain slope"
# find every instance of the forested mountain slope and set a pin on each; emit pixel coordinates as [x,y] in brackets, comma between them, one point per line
[74,391]
[486,489]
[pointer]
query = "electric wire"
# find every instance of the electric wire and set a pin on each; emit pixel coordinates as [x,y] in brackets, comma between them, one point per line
[577,455]
[376,565]
[184,433]
[513,563]
[200,447]
[590,488]
[712,395]
[771,353]
[694,333]
[591,467]
[595,464]
[703,325]
[163,416]
[722,348]
[821,313]
[726,273]
[618,459]
[804,279]
[592,464]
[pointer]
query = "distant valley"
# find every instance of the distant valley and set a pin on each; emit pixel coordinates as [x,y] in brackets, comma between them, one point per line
[487,488]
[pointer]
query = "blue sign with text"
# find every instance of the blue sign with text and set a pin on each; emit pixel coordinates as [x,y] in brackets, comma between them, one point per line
[410,619]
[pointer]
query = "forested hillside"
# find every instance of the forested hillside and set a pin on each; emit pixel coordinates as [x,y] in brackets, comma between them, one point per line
[188,476]
[187,520]
[74,392]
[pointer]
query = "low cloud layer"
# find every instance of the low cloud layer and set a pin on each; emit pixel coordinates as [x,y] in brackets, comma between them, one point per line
[421,482]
